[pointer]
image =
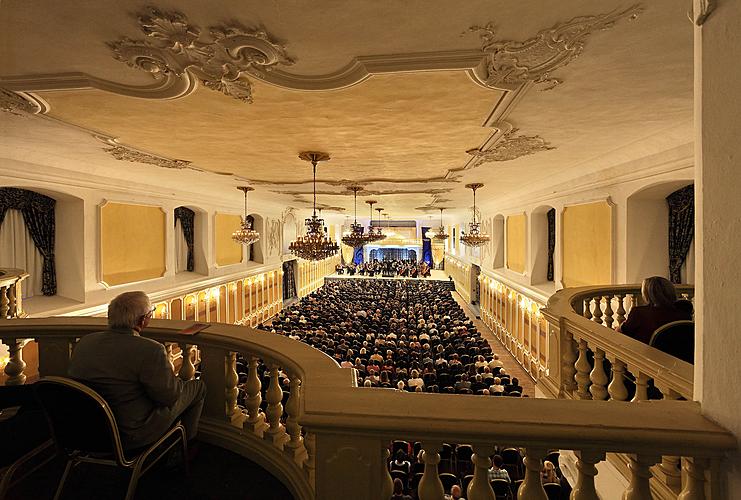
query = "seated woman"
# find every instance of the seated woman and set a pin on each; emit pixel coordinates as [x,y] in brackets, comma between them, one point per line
[661,308]
[548,473]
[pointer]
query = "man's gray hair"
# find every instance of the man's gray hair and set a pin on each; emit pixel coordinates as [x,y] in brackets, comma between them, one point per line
[126,310]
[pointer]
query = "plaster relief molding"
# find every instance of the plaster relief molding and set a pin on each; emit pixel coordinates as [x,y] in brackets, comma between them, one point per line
[509,64]
[220,61]
[275,229]
[125,153]
[15,104]
[508,147]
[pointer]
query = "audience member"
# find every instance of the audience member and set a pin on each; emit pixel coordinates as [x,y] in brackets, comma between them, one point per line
[399,491]
[548,473]
[661,308]
[496,471]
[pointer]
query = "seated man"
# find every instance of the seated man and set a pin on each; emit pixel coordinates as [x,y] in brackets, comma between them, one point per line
[134,375]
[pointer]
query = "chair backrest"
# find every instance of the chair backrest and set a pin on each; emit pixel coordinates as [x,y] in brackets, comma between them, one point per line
[466,481]
[501,487]
[676,338]
[553,490]
[79,418]
[448,480]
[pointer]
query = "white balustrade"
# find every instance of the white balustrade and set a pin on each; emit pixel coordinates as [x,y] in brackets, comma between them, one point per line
[11,293]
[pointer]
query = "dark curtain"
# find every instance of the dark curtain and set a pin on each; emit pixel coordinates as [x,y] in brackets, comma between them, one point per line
[38,215]
[186,216]
[551,215]
[289,281]
[426,247]
[681,228]
[358,257]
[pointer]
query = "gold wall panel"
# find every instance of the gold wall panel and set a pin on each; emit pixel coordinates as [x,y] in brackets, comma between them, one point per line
[587,244]
[516,242]
[227,252]
[132,243]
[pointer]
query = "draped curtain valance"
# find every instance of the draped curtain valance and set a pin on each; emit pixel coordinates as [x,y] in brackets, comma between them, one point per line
[186,216]
[681,228]
[38,215]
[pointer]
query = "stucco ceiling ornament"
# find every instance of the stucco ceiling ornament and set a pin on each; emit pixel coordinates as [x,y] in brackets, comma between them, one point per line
[13,103]
[510,147]
[510,64]
[127,154]
[221,61]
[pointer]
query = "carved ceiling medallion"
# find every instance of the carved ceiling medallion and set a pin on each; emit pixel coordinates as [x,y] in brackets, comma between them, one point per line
[510,147]
[510,64]
[123,153]
[221,60]
[13,103]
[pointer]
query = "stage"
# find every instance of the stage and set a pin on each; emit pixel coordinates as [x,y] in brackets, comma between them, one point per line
[436,275]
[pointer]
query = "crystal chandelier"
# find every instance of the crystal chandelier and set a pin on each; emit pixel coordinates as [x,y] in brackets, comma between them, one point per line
[379,234]
[245,235]
[355,238]
[314,245]
[474,238]
[374,232]
[440,234]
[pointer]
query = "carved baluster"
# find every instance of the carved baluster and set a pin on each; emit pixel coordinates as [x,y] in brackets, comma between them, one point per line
[16,365]
[12,302]
[598,377]
[4,303]
[641,388]
[170,355]
[295,447]
[479,488]
[569,360]
[694,479]
[597,315]
[430,487]
[187,368]
[669,468]
[621,308]
[387,482]
[255,418]
[588,308]
[276,432]
[608,319]
[532,487]
[310,465]
[639,488]
[583,369]
[617,389]
[585,465]
[231,391]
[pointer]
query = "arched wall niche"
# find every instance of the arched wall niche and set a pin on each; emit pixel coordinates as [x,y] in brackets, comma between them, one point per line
[200,239]
[69,241]
[539,245]
[256,251]
[290,232]
[647,233]
[497,236]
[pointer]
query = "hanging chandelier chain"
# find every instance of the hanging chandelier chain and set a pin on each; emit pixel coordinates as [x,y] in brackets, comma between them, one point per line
[313,164]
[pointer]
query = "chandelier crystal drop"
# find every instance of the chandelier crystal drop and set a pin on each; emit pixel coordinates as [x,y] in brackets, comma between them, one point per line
[245,235]
[474,238]
[440,234]
[356,238]
[315,245]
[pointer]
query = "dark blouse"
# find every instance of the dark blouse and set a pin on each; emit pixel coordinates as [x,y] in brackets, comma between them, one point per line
[643,321]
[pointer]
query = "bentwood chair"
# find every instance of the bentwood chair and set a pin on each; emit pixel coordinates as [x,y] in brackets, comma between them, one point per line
[676,338]
[84,430]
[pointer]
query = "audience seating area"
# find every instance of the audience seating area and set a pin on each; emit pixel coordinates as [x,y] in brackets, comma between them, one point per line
[398,334]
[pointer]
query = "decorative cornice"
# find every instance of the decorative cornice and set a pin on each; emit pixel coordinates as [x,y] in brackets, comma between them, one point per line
[13,103]
[510,64]
[123,153]
[221,61]
[509,147]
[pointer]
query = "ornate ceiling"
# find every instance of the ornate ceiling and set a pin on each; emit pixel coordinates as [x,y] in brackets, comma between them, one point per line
[411,99]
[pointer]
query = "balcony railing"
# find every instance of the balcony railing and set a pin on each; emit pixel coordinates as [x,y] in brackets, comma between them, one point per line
[11,293]
[331,439]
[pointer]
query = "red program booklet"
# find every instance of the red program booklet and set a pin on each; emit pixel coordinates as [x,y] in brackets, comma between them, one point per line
[194,328]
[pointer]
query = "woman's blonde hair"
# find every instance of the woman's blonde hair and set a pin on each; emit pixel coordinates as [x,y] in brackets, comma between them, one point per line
[658,292]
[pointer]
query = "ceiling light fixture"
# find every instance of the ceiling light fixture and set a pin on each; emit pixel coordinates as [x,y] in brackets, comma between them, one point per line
[440,234]
[380,227]
[355,238]
[374,232]
[245,235]
[314,245]
[474,238]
